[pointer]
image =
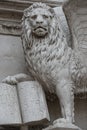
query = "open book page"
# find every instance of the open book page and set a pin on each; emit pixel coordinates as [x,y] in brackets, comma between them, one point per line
[33,103]
[9,106]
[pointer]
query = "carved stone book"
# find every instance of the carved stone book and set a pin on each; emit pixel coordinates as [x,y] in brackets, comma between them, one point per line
[24,103]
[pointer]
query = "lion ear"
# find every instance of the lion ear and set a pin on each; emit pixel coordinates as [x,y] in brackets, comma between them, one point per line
[52,11]
[26,13]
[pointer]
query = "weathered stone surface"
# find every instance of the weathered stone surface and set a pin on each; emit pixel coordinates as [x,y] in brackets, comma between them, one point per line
[62,126]
[11,56]
[9,105]
[76,14]
[29,102]
[33,103]
[64,25]
[81,109]
[57,67]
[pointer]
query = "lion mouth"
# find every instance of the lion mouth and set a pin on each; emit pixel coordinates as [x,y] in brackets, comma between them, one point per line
[40,28]
[40,31]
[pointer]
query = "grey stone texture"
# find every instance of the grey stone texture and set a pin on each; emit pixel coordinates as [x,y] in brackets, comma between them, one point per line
[61,126]
[12,59]
[26,102]
[9,105]
[11,56]
[33,103]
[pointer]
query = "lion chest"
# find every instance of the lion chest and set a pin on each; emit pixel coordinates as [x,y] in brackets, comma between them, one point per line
[44,60]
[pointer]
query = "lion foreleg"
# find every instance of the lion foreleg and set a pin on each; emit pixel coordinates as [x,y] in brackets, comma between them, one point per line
[64,91]
[13,80]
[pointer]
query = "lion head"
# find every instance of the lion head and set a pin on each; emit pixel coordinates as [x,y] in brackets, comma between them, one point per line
[40,23]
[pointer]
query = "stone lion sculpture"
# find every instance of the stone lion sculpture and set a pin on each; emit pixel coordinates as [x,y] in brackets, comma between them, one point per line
[49,59]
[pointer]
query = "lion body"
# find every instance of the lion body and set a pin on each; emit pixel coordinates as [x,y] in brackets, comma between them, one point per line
[46,63]
[52,63]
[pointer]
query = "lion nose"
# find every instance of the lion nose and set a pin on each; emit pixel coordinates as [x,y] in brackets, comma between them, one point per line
[39,20]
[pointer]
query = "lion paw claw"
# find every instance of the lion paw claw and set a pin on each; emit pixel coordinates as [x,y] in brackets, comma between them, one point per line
[60,120]
[10,80]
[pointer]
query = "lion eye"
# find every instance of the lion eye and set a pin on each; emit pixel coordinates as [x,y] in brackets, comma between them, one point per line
[45,16]
[34,17]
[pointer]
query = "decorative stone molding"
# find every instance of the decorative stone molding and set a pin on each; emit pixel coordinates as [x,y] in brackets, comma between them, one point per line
[11,12]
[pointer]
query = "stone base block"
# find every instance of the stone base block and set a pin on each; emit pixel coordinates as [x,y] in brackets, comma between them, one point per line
[62,126]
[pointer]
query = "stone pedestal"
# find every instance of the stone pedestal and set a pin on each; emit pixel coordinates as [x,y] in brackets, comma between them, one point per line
[62,126]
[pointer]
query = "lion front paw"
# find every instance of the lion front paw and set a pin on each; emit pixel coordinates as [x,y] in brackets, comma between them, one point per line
[10,80]
[60,120]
